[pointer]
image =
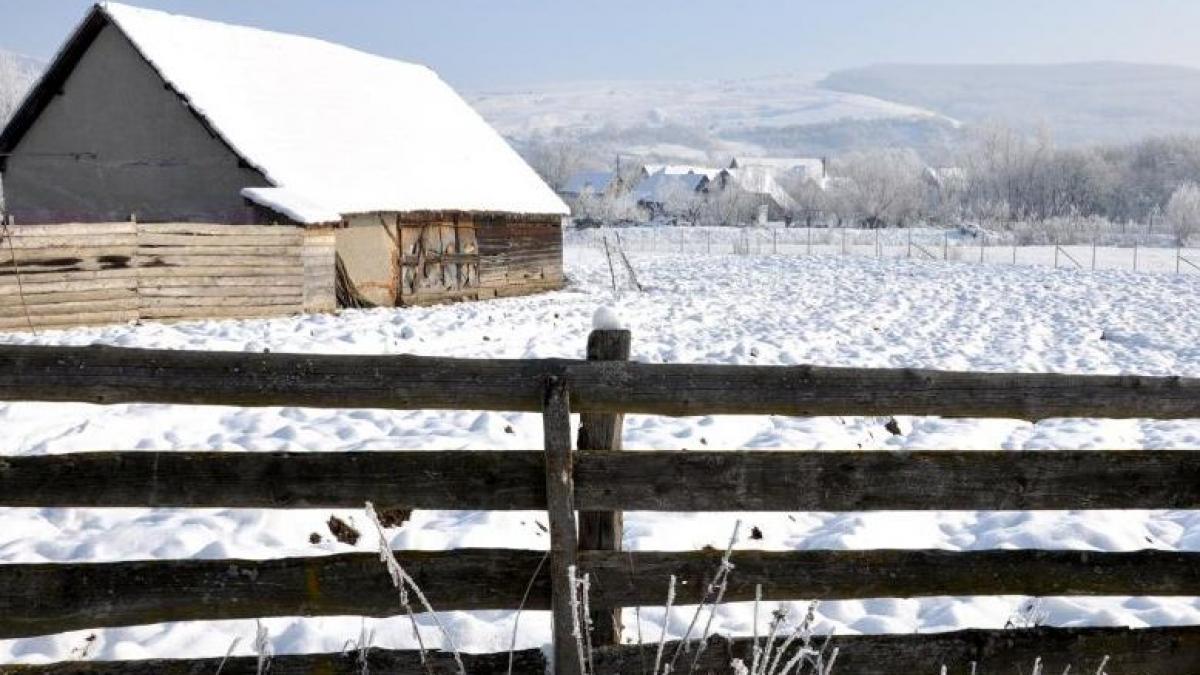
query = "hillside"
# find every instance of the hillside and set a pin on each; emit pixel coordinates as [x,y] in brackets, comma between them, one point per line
[693,120]
[1079,103]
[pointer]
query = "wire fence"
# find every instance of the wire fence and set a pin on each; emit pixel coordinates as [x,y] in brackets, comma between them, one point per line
[1131,252]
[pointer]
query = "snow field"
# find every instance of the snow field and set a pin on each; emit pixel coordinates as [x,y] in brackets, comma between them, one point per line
[718,309]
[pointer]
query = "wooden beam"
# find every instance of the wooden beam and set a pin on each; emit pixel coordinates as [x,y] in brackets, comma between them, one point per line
[560,511]
[525,662]
[1142,651]
[641,481]
[48,598]
[1138,651]
[116,375]
[601,530]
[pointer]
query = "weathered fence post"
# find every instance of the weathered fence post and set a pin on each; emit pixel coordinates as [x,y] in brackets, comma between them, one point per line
[601,530]
[560,511]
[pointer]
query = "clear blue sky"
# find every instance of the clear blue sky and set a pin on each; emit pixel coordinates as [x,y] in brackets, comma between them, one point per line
[483,43]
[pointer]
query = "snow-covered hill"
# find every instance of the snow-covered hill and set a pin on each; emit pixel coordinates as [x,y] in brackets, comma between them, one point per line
[720,106]
[1080,103]
[692,119]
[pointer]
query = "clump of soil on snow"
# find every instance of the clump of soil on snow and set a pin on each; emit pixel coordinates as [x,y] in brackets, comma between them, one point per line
[343,531]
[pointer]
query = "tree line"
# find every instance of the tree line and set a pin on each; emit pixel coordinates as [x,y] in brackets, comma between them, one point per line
[1000,179]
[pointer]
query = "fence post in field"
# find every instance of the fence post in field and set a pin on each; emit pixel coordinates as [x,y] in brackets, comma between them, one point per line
[1056,254]
[946,246]
[909,254]
[878,250]
[1178,256]
[843,241]
[601,530]
[1093,251]
[1135,255]
[560,511]
[982,245]
[775,241]
[810,239]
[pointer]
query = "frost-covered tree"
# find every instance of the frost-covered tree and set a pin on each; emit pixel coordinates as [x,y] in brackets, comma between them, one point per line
[15,79]
[1183,212]
[880,187]
[680,201]
[607,208]
[555,159]
[730,206]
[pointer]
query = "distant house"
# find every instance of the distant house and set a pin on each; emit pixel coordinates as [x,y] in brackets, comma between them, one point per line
[662,193]
[176,119]
[679,170]
[814,169]
[589,182]
[758,187]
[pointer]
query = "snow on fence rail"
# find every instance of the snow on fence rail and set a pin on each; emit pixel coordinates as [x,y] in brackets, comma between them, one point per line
[40,599]
[1139,253]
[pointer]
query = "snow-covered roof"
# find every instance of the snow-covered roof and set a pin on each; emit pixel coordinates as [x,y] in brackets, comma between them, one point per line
[681,170]
[340,130]
[760,181]
[810,167]
[596,181]
[656,187]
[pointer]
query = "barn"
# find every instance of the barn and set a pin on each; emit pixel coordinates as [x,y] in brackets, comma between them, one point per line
[171,119]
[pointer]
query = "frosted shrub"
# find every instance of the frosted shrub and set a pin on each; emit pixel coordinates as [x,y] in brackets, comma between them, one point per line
[1183,212]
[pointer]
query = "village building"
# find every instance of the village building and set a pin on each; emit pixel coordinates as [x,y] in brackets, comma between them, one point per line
[757,188]
[171,119]
[665,194]
[594,183]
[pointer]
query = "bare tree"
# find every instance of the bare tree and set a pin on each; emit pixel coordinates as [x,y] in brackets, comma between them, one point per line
[606,208]
[681,201]
[555,160]
[729,206]
[1183,212]
[15,80]
[881,186]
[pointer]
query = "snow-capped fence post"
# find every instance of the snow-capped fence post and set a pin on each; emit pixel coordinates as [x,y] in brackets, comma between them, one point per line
[560,511]
[601,530]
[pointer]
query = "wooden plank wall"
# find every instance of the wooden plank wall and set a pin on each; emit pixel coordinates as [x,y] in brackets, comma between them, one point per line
[59,276]
[518,257]
[455,256]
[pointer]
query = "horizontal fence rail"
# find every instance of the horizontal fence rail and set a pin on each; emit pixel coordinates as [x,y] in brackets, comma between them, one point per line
[107,375]
[45,598]
[1144,651]
[601,483]
[636,481]
[387,662]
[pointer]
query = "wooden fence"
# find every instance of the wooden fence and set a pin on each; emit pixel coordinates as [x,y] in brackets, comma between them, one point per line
[598,482]
[55,276]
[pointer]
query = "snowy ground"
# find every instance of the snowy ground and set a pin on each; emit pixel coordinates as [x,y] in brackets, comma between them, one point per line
[721,309]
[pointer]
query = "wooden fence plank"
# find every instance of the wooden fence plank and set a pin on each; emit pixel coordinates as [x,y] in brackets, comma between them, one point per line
[119,375]
[601,530]
[1140,651]
[560,511]
[412,480]
[40,599]
[641,481]
[1143,651]
[525,662]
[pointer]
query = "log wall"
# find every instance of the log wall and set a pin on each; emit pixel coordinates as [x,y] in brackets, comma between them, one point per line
[60,276]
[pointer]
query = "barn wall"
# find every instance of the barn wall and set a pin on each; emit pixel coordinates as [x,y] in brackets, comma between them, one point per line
[117,142]
[367,248]
[427,258]
[96,273]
